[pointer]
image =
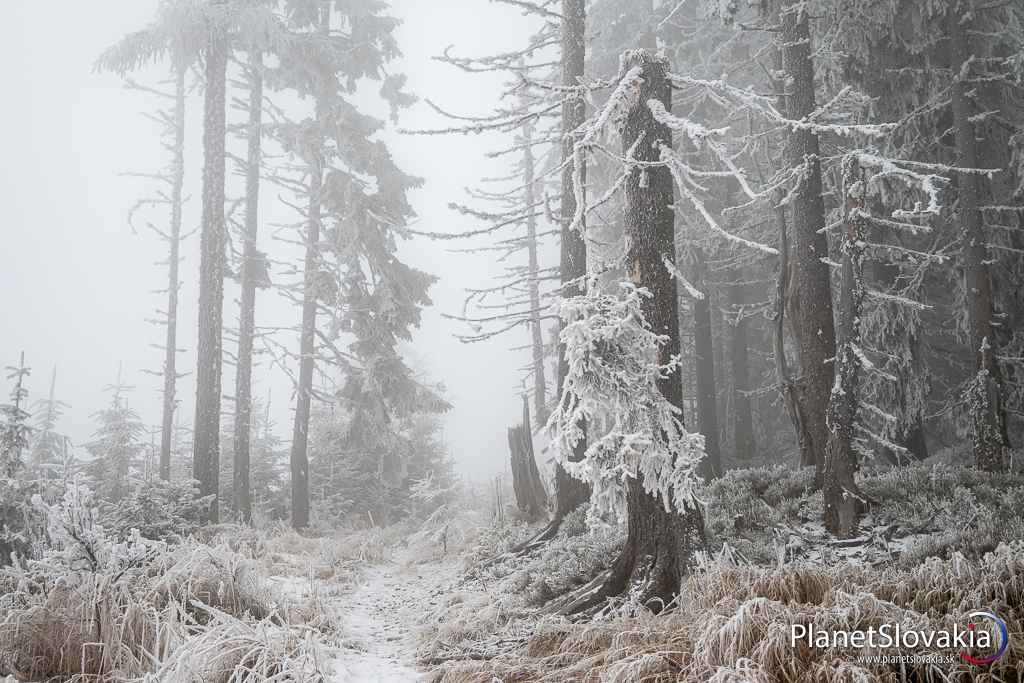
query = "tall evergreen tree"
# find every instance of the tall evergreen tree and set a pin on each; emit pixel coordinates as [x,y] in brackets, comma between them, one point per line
[354,207]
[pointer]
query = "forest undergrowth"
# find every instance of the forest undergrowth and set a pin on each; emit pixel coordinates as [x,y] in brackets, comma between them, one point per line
[226,604]
[450,596]
[939,543]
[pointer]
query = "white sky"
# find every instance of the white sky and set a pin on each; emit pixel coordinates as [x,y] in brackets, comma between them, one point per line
[76,285]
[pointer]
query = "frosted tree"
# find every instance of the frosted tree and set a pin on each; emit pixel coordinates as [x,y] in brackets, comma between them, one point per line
[15,431]
[543,106]
[48,453]
[622,353]
[117,446]
[358,300]
[515,207]
[956,97]
[170,35]
[569,493]
[187,33]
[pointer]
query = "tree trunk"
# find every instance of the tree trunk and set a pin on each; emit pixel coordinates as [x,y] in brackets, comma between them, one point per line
[206,449]
[842,497]
[299,460]
[660,544]
[704,349]
[247,314]
[173,260]
[533,283]
[783,302]
[570,493]
[815,326]
[531,498]
[985,401]
[744,443]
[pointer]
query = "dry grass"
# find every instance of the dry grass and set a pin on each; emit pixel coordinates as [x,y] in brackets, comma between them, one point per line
[733,624]
[191,613]
[230,650]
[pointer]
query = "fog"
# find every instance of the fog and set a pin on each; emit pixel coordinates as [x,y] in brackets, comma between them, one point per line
[78,284]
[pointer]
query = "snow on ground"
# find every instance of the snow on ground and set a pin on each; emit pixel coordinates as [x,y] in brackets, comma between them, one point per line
[378,617]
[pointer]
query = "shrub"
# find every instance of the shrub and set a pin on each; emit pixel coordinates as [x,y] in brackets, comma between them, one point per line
[159,510]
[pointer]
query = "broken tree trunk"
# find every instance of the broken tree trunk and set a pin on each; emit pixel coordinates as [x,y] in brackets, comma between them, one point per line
[531,497]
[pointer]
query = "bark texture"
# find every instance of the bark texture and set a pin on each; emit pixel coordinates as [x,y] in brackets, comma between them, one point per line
[251,268]
[988,414]
[173,261]
[206,448]
[842,497]
[811,294]
[660,544]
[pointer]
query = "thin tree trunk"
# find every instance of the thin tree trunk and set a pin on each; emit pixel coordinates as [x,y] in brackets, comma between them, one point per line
[307,346]
[206,449]
[533,283]
[247,314]
[570,493]
[660,544]
[744,441]
[815,325]
[704,349]
[842,497]
[531,498]
[985,402]
[173,261]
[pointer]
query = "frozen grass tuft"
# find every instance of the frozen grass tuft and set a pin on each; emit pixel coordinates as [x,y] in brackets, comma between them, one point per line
[734,624]
[93,608]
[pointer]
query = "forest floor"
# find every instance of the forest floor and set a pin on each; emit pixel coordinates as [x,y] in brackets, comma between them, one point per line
[382,614]
[379,608]
[446,601]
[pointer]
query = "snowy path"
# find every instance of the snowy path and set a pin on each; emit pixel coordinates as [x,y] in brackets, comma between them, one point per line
[379,618]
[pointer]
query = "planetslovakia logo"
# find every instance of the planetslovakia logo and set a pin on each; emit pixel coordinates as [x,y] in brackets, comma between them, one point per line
[1004,638]
[985,632]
